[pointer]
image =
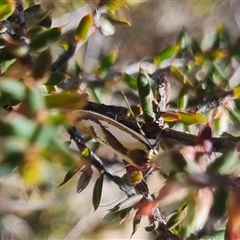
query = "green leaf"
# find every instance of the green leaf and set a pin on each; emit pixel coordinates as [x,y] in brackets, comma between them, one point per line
[62,150]
[35,31]
[220,69]
[42,135]
[182,99]
[218,235]
[56,78]
[115,217]
[116,20]
[34,100]
[191,118]
[236,92]
[220,203]
[83,29]
[170,116]
[145,95]
[45,39]
[56,117]
[180,76]
[234,116]
[124,214]
[224,163]
[66,100]
[114,5]
[42,64]
[222,37]
[97,192]
[106,63]
[6,64]
[13,151]
[183,40]
[7,8]
[167,53]
[18,126]
[130,81]
[111,218]
[84,179]
[33,10]
[176,218]
[46,21]
[12,89]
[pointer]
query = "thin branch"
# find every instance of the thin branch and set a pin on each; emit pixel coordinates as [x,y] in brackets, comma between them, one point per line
[96,161]
[211,103]
[65,57]
[168,135]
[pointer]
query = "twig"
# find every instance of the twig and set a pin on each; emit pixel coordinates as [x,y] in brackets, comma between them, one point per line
[171,136]
[211,103]
[162,230]
[96,161]
[65,57]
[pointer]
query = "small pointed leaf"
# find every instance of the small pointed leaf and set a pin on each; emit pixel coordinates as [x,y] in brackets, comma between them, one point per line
[12,89]
[83,29]
[182,100]
[167,53]
[234,116]
[46,21]
[33,10]
[236,92]
[97,192]
[224,163]
[217,235]
[116,20]
[45,39]
[170,116]
[68,176]
[136,222]
[191,118]
[130,81]
[116,217]
[84,179]
[55,78]
[179,75]
[66,100]
[146,95]
[42,64]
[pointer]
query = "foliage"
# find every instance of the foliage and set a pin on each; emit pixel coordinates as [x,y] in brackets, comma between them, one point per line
[39,109]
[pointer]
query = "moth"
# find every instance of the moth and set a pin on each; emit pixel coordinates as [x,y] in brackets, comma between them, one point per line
[126,143]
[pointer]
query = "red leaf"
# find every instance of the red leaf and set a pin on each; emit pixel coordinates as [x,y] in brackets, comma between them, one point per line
[204,139]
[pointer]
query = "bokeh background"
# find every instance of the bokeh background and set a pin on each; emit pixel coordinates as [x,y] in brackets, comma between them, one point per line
[61,213]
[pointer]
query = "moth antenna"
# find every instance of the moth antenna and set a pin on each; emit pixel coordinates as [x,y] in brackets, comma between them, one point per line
[139,127]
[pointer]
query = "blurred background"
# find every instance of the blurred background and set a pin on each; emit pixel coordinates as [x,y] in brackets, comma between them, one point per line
[61,213]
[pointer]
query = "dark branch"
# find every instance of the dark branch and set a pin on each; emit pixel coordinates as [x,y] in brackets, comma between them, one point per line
[168,135]
[65,57]
[211,103]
